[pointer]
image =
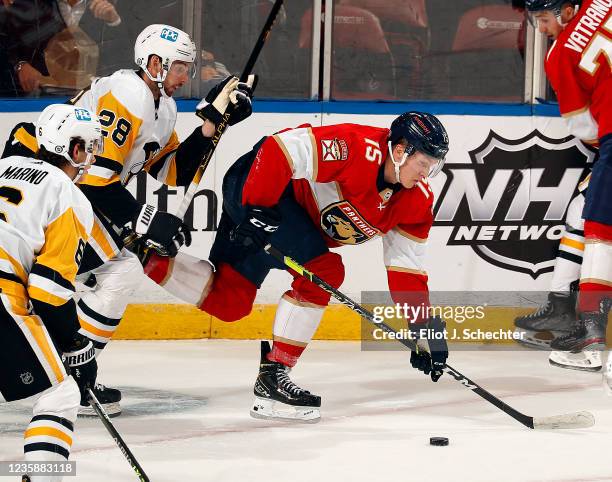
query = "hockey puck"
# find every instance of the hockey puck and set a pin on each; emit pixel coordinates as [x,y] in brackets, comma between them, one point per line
[440,441]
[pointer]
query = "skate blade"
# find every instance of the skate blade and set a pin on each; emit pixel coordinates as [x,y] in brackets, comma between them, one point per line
[536,339]
[575,361]
[607,377]
[266,409]
[111,409]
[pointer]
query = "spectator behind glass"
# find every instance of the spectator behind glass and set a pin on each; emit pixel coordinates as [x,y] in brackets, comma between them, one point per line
[211,72]
[136,15]
[30,26]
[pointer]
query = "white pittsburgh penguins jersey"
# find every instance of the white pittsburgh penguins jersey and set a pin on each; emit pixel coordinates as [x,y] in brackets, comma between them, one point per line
[45,221]
[137,134]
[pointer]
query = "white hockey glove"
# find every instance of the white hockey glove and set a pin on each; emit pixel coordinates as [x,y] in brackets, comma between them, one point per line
[163,231]
[229,90]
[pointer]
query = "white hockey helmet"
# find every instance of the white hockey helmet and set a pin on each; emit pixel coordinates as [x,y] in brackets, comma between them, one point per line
[167,42]
[59,124]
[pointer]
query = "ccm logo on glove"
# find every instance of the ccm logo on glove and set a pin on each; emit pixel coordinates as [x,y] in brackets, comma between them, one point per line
[258,223]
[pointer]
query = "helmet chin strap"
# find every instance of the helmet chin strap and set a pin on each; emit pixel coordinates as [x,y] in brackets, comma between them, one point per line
[80,167]
[159,80]
[397,165]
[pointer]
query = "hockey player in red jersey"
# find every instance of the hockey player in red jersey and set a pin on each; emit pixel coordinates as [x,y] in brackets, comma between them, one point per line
[305,190]
[578,66]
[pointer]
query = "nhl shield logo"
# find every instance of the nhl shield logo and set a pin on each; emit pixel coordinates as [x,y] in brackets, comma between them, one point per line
[26,378]
[343,223]
[509,204]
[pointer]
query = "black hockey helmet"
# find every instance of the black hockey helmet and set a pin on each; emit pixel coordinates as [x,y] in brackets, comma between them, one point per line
[424,133]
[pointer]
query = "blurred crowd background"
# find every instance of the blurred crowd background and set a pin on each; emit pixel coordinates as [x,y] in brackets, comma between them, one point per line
[455,50]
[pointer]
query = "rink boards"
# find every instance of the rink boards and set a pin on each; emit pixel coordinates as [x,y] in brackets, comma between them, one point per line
[501,201]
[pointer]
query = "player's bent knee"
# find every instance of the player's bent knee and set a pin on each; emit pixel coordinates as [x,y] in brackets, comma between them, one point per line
[231,296]
[574,213]
[329,268]
[61,400]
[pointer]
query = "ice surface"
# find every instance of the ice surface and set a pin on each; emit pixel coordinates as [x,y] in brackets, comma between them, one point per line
[186,417]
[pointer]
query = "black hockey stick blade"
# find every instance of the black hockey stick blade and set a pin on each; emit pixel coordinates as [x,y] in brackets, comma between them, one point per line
[566,421]
[106,421]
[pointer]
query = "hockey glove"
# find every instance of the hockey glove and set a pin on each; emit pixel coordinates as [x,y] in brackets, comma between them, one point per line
[83,366]
[433,362]
[162,231]
[231,90]
[253,233]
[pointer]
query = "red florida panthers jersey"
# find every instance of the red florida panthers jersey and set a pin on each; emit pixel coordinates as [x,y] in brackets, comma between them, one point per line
[578,66]
[336,176]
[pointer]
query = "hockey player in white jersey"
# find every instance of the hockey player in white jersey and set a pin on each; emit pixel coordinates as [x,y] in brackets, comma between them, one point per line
[558,315]
[138,115]
[45,222]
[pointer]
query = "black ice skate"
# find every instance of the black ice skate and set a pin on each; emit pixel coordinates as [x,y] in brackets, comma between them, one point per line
[589,333]
[109,398]
[553,319]
[277,397]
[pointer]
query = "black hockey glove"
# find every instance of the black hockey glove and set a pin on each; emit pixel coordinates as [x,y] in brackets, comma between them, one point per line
[162,231]
[81,359]
[253,233]
[432,362]
[229,90]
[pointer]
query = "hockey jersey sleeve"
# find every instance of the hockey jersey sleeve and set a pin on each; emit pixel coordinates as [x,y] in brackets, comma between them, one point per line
[54,271]
[21,141]
[274,166]
[51,280]
[404,249]
[122,111]
[574,102]
[318,154]
[177,162]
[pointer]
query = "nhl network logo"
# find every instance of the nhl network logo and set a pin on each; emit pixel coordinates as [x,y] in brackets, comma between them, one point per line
[509,203]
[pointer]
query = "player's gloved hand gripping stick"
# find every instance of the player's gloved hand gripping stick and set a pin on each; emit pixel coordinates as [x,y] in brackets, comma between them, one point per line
[569,420]
[225,119]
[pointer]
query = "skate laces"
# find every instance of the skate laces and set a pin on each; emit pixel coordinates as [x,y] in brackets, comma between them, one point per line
[542,310]
[285,382]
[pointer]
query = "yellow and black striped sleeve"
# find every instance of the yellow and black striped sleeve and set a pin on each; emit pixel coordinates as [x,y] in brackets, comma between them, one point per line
[54,271]
[176,163]
[21,141]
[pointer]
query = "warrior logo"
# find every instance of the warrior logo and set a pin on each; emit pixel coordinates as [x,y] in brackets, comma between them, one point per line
[334,150]
[343,223]
[510,203]
[26,378]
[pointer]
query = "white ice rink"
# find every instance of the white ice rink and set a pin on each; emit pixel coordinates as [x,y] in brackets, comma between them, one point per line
[186,418]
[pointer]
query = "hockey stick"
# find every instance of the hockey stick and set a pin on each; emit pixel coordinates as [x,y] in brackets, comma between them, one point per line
[569,420]
[95,404]
[132,238]
[263,36]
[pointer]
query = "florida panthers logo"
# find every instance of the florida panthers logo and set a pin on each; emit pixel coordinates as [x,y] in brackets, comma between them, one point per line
[343,223]
[509,203]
